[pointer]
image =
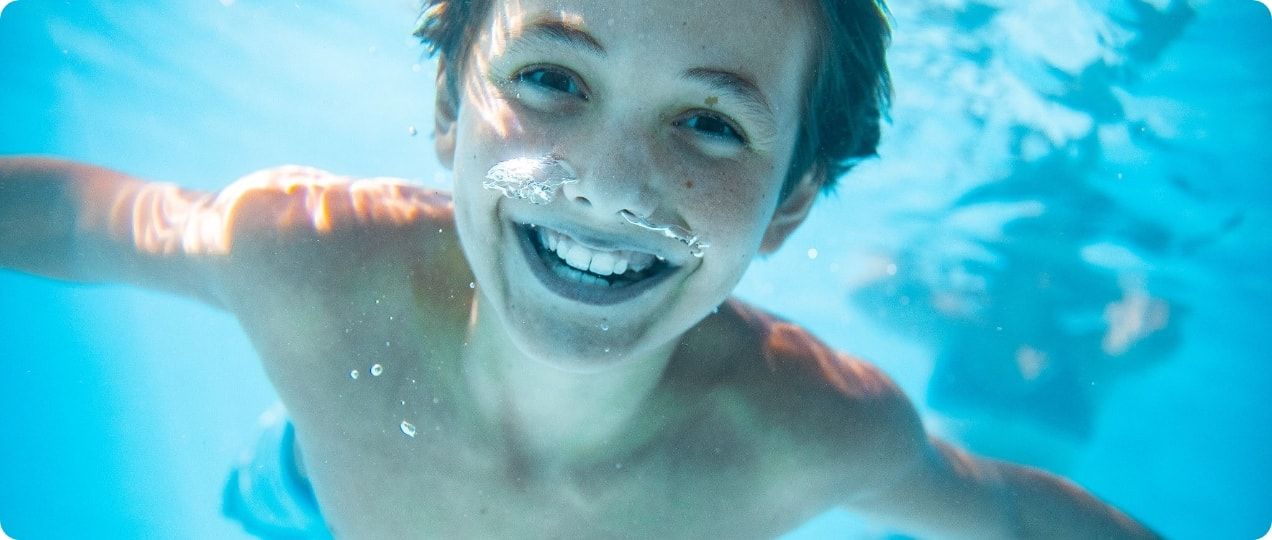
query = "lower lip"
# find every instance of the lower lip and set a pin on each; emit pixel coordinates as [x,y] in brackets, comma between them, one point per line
[581,292]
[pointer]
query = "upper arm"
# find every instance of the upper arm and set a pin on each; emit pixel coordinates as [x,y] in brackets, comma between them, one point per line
[936,489]
[939,490]
[871,437]
[864,441]
[100,225]
[947,493]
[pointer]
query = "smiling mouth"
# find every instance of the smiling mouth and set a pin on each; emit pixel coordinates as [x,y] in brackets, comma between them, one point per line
[593,276]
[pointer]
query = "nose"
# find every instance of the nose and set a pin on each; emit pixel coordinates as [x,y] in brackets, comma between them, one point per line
[616,174]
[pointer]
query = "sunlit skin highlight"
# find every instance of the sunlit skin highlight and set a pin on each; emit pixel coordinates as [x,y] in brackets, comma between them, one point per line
[166,219]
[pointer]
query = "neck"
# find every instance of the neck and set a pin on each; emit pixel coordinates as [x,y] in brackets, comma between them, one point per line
[552,415]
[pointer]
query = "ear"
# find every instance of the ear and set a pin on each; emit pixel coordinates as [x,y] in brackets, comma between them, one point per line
[791,211]
[444,119]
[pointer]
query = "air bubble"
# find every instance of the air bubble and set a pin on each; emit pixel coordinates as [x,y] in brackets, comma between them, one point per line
[408,429]
[532,179]
[410,130]
[539,179]
[472,285]
[812,253]
[436,401]
[695,243]
[353,374]
[605,327]
[376,370]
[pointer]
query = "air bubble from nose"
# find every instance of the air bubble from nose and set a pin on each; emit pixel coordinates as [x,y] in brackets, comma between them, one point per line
[538,180]
[696,244]
[531,179]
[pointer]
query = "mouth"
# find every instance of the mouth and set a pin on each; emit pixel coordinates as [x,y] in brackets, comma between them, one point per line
[588,274]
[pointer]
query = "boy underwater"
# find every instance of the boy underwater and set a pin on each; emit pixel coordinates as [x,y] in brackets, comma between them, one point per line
[551,351]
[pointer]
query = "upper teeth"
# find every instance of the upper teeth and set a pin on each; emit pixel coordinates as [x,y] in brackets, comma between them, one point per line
[602,263]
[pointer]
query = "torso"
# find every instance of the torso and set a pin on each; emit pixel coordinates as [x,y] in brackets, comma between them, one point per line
[719,462]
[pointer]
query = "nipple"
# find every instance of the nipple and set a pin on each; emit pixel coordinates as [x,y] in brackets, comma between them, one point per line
[532,179]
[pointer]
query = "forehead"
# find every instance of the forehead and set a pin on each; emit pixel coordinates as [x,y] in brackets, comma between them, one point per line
[768,41]
[718,26]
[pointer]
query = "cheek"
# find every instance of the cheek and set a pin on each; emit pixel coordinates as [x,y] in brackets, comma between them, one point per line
[476,215]
[733,202]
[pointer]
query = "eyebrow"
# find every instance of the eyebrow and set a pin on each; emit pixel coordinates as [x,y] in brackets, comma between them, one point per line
[561,32]
[738,86]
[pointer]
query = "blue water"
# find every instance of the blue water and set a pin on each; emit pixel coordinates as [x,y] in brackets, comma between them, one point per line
[1008,196]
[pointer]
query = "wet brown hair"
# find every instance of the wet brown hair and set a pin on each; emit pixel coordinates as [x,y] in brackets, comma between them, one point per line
[845,98]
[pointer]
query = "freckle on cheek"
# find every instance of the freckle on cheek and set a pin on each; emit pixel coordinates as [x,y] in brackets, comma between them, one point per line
[689,184]
[711,101]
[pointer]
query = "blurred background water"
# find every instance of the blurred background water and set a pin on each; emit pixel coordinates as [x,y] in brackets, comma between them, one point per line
[1060,255]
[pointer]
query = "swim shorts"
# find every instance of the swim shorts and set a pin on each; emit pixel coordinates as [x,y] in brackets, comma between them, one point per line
[266,492]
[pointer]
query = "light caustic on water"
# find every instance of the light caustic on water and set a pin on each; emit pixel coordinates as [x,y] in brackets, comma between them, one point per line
[537,180]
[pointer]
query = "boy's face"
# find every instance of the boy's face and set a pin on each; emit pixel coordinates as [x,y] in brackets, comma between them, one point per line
[681,111]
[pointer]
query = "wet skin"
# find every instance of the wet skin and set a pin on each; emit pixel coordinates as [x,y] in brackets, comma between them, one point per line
[537,414]
[750,427]
[736,439]
[624,102]
[530,417]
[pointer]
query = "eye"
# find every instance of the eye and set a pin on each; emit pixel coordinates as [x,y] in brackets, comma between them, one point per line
[551,79]
[713,126]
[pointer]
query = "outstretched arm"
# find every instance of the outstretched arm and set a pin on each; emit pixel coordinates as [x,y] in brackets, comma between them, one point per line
[78,222]
[947,493]
[894,472]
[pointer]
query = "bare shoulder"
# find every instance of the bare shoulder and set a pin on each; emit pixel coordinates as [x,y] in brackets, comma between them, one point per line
[298,202]
[843,413]
[331,275]
[287,220]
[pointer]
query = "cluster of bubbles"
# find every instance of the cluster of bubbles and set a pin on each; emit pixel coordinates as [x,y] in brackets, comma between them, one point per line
[538,180]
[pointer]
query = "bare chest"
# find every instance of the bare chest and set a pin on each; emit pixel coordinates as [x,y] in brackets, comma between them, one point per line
[395,449]
[449,481]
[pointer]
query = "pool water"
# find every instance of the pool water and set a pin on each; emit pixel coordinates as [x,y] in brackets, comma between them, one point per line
[1060,255]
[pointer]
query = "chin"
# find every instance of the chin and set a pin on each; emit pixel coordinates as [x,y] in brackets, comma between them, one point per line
[581,349]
